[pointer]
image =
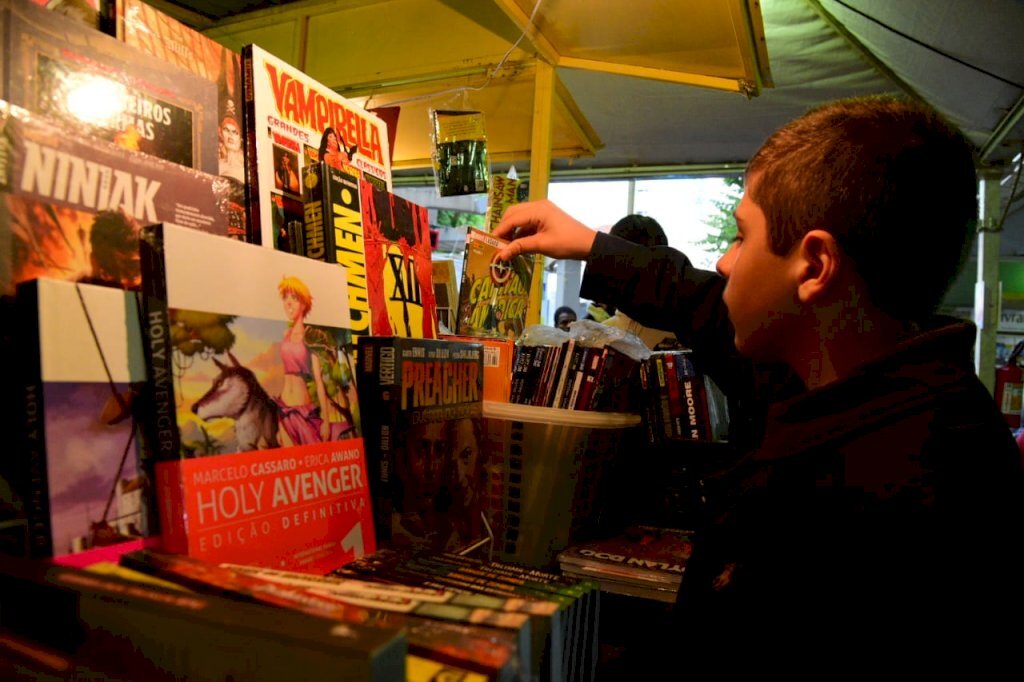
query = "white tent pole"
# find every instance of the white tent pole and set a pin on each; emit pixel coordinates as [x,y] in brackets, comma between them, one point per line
[987,294]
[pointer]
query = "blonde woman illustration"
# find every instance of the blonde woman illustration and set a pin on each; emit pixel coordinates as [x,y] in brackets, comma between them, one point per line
[301,420]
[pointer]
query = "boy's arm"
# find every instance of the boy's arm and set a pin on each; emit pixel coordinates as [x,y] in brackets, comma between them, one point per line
[660,288]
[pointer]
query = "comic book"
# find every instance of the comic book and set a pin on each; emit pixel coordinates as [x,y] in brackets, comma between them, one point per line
[71,206]
[333,231]
[398,265]
[422,406]
[494,294]
[446,292]
[147,29]
[81,370]
[643,556]
[107,627]
[498,358]
[95,85]
[483,648]
[254,418]
[284,112]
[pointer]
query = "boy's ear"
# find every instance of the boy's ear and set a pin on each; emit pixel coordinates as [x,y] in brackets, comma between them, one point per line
[819,259]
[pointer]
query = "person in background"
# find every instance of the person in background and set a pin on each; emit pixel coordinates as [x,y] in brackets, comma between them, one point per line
[564,316]
[647,231]
[875,516]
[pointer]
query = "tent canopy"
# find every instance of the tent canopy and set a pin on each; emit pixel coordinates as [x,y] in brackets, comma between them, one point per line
[648,86]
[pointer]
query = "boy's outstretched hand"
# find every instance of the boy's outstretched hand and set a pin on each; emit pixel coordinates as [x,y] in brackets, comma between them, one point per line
[543,228]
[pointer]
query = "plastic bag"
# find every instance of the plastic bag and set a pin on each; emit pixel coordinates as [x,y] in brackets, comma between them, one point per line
[460,152]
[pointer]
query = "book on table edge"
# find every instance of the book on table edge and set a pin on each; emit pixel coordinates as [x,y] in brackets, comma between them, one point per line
[480,648]
[157,633]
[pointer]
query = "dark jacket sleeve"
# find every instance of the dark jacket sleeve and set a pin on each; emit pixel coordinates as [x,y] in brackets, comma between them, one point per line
[660,288]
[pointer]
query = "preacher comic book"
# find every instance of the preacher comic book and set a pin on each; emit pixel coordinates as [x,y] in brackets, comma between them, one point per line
[96,85]
[254,422]
[422,406]
[286,111]
[71,206]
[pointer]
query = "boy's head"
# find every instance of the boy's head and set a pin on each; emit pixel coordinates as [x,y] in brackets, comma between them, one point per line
[890,179]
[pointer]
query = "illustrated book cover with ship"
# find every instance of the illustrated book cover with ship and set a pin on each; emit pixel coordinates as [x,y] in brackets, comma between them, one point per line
[81,369]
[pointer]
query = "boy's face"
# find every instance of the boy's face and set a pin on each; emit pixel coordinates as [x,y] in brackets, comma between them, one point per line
[760,293]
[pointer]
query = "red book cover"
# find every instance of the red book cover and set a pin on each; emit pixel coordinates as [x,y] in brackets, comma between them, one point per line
[253,422]
[399,274]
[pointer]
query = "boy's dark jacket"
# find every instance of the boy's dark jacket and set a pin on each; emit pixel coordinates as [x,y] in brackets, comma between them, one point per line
[881,507]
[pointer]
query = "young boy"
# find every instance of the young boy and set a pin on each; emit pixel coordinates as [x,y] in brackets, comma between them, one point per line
[878,508]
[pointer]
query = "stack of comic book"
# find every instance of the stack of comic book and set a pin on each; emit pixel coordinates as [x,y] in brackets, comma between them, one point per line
[63,623]
[564,611]
[573,376]
[465,637]
[644,561]
[676,399]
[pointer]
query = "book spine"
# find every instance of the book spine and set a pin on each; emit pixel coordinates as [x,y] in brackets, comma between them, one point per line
[376,377]
[674,397]
[33,472]
[170,498]
[316,237]
[164,438]
[695,401]
[343,220]
[253,230]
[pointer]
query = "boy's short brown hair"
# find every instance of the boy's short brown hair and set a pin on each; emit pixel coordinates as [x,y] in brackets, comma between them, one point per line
[892,181]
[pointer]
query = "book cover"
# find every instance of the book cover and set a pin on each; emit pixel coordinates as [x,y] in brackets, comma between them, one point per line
[482,648]
[71,206]
[643,554]
[96,85]
[457,581]
[446,292]
[493,294]
[285,111]
[254,416]
[139,631]
[422,406]
[333,231]
[82,367]
[695,418]
[398,265]
[150,31]
[498,359]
